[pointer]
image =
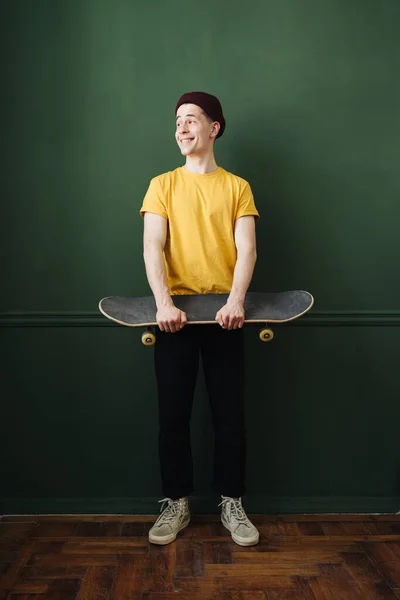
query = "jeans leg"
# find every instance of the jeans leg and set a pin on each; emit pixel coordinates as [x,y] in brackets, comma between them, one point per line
[176,364]
[223,363]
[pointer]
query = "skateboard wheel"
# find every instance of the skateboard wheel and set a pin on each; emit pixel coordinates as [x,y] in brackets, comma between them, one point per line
[266,335]
[148,338]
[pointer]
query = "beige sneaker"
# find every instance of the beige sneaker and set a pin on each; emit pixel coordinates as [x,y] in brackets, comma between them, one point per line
[234,518]
[175,517]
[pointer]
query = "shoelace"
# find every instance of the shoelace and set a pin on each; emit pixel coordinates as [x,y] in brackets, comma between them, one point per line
[237,510]
[170,512]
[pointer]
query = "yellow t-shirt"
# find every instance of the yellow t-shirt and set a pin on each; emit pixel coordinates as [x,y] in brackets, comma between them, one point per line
[201,209]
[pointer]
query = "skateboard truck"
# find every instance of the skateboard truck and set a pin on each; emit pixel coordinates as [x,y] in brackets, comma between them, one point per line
[149,338]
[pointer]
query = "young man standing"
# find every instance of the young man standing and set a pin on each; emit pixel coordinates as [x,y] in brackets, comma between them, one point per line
[199,238]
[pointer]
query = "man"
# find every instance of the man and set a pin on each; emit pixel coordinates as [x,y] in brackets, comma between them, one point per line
[199,238]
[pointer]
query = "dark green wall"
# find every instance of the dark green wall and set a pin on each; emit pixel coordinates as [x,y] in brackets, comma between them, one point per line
[311,95]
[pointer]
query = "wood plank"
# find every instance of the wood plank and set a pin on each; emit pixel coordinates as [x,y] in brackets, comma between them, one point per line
[298,518]
[243,595]
[214,586]
[12,534]
[268,529]
[6,560]
[55,529]
[255,582]
[206,531]
[48,547]
[395,548]
[129,578]
[104,529]
[285,528]
[160,575]
[97,584]
[379,551]
[332,539]
[17,566]
[320,589]
[204,585]
[302,591]
[103,548]
[54,572]
[62,589]
[391,572]
[122,546]
[217,552]
[370,580]
[264,569]
[139,529]
[311,528]
[383,528]
[139,541]
[190,560]
[62,560]
[355,528]
[30,587]
[311,556]
[341,583]
[333,528]
[82,518]
[134,542]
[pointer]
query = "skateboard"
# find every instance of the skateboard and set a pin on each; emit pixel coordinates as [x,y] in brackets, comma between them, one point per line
[201,309]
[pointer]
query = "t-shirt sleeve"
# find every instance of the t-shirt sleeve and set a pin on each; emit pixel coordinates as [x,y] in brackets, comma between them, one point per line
[154,200]
[246,206]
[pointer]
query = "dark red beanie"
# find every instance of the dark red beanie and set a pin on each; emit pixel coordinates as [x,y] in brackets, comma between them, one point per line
[210,104]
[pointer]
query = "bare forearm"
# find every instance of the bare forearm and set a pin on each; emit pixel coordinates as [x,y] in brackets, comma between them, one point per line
[243,274]
[156,275]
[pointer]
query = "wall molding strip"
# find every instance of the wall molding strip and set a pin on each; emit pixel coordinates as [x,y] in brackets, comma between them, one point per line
[93,319]
[257,504]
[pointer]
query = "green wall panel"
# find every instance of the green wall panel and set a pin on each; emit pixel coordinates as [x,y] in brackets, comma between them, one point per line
[81,415]
[311,95]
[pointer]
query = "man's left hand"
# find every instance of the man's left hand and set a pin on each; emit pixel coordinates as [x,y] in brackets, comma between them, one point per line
[231,315]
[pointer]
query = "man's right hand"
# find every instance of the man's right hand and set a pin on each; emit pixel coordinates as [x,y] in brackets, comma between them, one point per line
[171,319]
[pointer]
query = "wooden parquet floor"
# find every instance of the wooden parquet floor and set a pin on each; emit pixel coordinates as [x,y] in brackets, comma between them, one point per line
[299,557]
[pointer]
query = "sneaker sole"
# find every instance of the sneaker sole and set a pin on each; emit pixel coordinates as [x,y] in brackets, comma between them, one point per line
[167,539]
[242,541]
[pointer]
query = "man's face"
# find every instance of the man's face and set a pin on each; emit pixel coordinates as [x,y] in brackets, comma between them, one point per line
[194,133]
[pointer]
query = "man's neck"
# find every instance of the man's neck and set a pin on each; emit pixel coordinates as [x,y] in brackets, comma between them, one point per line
[201,164]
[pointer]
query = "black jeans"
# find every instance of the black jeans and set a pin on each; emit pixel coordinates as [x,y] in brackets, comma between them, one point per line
[176,364]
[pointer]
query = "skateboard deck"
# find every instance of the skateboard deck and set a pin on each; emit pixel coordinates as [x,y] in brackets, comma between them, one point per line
[260,307]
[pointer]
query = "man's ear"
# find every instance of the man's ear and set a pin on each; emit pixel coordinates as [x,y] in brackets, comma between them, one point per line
[215,129]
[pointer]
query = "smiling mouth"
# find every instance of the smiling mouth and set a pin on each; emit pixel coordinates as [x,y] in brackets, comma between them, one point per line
[187,140]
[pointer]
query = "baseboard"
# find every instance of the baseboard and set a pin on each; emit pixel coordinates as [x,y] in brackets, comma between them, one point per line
[202,505]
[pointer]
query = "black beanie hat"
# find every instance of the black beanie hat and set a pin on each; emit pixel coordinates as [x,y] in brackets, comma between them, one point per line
[210,104]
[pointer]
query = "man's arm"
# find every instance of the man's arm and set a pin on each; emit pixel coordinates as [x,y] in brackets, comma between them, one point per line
[169,318]
[231,315]
[245,240]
